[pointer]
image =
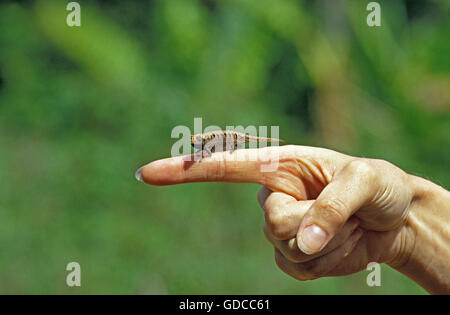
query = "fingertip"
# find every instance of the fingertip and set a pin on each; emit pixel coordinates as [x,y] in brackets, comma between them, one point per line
[138,174]
[160,172]
[143,175]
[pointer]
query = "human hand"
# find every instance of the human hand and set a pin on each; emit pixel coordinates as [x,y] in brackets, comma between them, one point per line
[327,213]
[321,237]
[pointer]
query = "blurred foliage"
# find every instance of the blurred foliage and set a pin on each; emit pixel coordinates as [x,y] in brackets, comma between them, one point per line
[82,108]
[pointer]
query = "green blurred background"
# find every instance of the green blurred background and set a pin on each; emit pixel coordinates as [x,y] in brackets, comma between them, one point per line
[82,108]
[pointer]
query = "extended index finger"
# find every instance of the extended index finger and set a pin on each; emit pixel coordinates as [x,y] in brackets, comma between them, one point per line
[299,171]
[221,167]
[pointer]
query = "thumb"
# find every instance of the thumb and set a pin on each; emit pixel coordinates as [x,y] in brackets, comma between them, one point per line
[348,191]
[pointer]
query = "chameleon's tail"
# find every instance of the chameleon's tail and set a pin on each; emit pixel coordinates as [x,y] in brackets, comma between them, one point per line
[261,139]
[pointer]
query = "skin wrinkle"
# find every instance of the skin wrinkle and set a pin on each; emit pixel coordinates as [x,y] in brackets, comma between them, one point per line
[307,175]
[408,240]
[324,171]
[310,172]
[286,180]
[307,189]
[383,200]
[316,169]
[389,201]
[333,210]
[218,173]
[391,253]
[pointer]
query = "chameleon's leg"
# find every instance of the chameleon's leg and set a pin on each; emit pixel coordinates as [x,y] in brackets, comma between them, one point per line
[240,143]
[198,152]
[230,145]
[198,155]
[214,145]
[207,152]
[208,149]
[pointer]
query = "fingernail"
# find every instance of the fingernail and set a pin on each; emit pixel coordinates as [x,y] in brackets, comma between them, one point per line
[312,239]
[356,234]
[138,174]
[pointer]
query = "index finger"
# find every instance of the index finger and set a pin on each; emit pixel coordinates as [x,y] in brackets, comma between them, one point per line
[299,171]
[219,167]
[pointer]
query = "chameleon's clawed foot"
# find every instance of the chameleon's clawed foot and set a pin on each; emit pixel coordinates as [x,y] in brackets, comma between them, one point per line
[199,155]
[206,153]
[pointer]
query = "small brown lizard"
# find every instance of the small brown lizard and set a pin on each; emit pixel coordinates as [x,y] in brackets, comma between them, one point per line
[228,140]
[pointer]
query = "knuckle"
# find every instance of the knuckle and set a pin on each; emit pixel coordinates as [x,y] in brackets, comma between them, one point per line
[278,231]
[275,223]
[362,168]
[272,216]
[332,210]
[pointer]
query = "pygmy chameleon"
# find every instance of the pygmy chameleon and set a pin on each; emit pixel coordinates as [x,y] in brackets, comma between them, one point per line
[223,140]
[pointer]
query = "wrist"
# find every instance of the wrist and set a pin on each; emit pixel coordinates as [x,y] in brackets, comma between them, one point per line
[425,254]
